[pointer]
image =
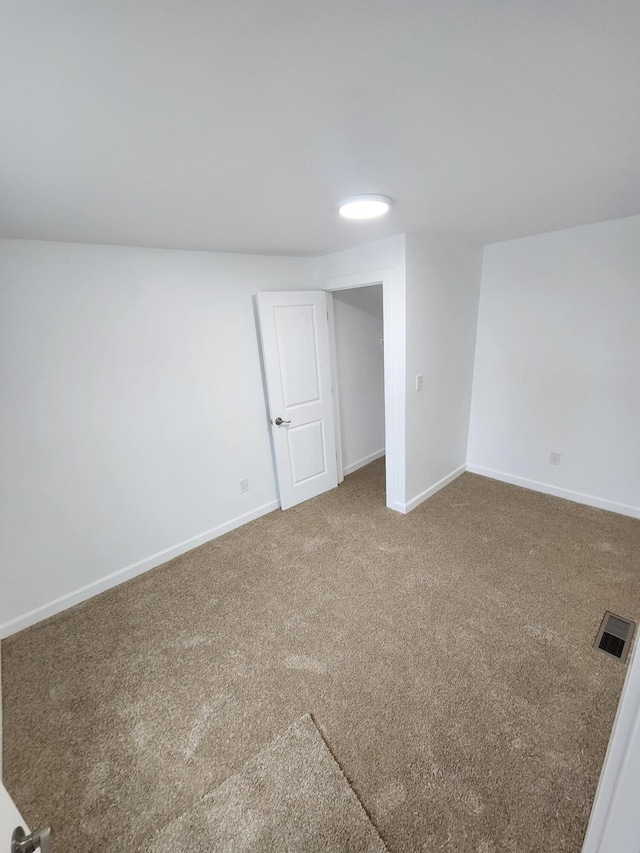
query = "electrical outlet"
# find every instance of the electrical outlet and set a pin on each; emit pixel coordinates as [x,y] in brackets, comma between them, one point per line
[554,458]
[419,382]
[244,485]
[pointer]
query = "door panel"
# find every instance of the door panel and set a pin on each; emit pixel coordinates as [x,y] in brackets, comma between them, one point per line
[295,346]
[298,354]
[306,451]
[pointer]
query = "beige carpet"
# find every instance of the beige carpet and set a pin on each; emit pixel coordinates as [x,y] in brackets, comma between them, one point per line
[446,656]
[290,797]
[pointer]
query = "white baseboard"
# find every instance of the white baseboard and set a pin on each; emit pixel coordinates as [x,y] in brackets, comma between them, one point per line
[349,469]
[556,491]
[121,575]
[414,502]
[89,590]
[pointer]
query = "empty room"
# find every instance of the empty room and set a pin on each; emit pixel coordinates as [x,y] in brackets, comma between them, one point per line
[319,403]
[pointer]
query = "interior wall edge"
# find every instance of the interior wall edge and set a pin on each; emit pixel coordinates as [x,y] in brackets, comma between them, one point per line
[556,491]
[431,490]
[612,824]
[51,608]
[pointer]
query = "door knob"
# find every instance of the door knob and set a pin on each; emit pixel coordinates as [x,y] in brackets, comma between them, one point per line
[23,843]
[279,422]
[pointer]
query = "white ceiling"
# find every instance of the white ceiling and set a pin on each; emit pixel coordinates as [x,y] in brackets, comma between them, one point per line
[238,125]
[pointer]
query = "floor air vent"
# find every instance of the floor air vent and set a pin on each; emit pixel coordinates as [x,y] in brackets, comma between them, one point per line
[614,636]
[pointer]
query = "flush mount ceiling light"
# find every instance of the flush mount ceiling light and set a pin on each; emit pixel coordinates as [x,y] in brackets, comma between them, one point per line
[364,206]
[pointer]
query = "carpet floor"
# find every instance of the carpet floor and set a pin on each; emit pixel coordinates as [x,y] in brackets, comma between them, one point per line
[446,656]
[291,798]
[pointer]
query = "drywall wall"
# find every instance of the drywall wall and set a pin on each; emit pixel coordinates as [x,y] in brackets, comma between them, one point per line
[442,292]
[10,818]
[614,823]
[132,404]
[558,364]
[381,262]
[387,254]
[358,326]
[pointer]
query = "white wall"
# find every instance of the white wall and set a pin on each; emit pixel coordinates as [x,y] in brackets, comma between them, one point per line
[443,286]
[614,824]
[358,325]
[558,364]
[387,254]
[132,404]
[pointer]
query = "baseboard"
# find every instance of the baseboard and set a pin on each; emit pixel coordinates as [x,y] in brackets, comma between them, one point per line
[121,575]
[349,469]
[556,491]
[414,502]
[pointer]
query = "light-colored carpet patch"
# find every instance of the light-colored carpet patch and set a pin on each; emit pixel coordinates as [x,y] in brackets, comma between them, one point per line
[290,797]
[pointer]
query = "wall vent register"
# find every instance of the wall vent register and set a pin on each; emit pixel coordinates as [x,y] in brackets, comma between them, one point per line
[614,636]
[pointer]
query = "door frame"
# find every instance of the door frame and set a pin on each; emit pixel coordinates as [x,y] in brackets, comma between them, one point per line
[614,823]
[393,387]
[333,354]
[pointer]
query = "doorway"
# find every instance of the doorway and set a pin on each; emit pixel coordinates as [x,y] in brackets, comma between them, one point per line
[391,283]
[358,352]
[299,370]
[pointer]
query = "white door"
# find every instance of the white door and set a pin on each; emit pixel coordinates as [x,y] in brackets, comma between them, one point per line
[295,347]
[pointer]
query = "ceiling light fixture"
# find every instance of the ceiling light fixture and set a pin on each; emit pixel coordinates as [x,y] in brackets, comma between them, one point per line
[364,206]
